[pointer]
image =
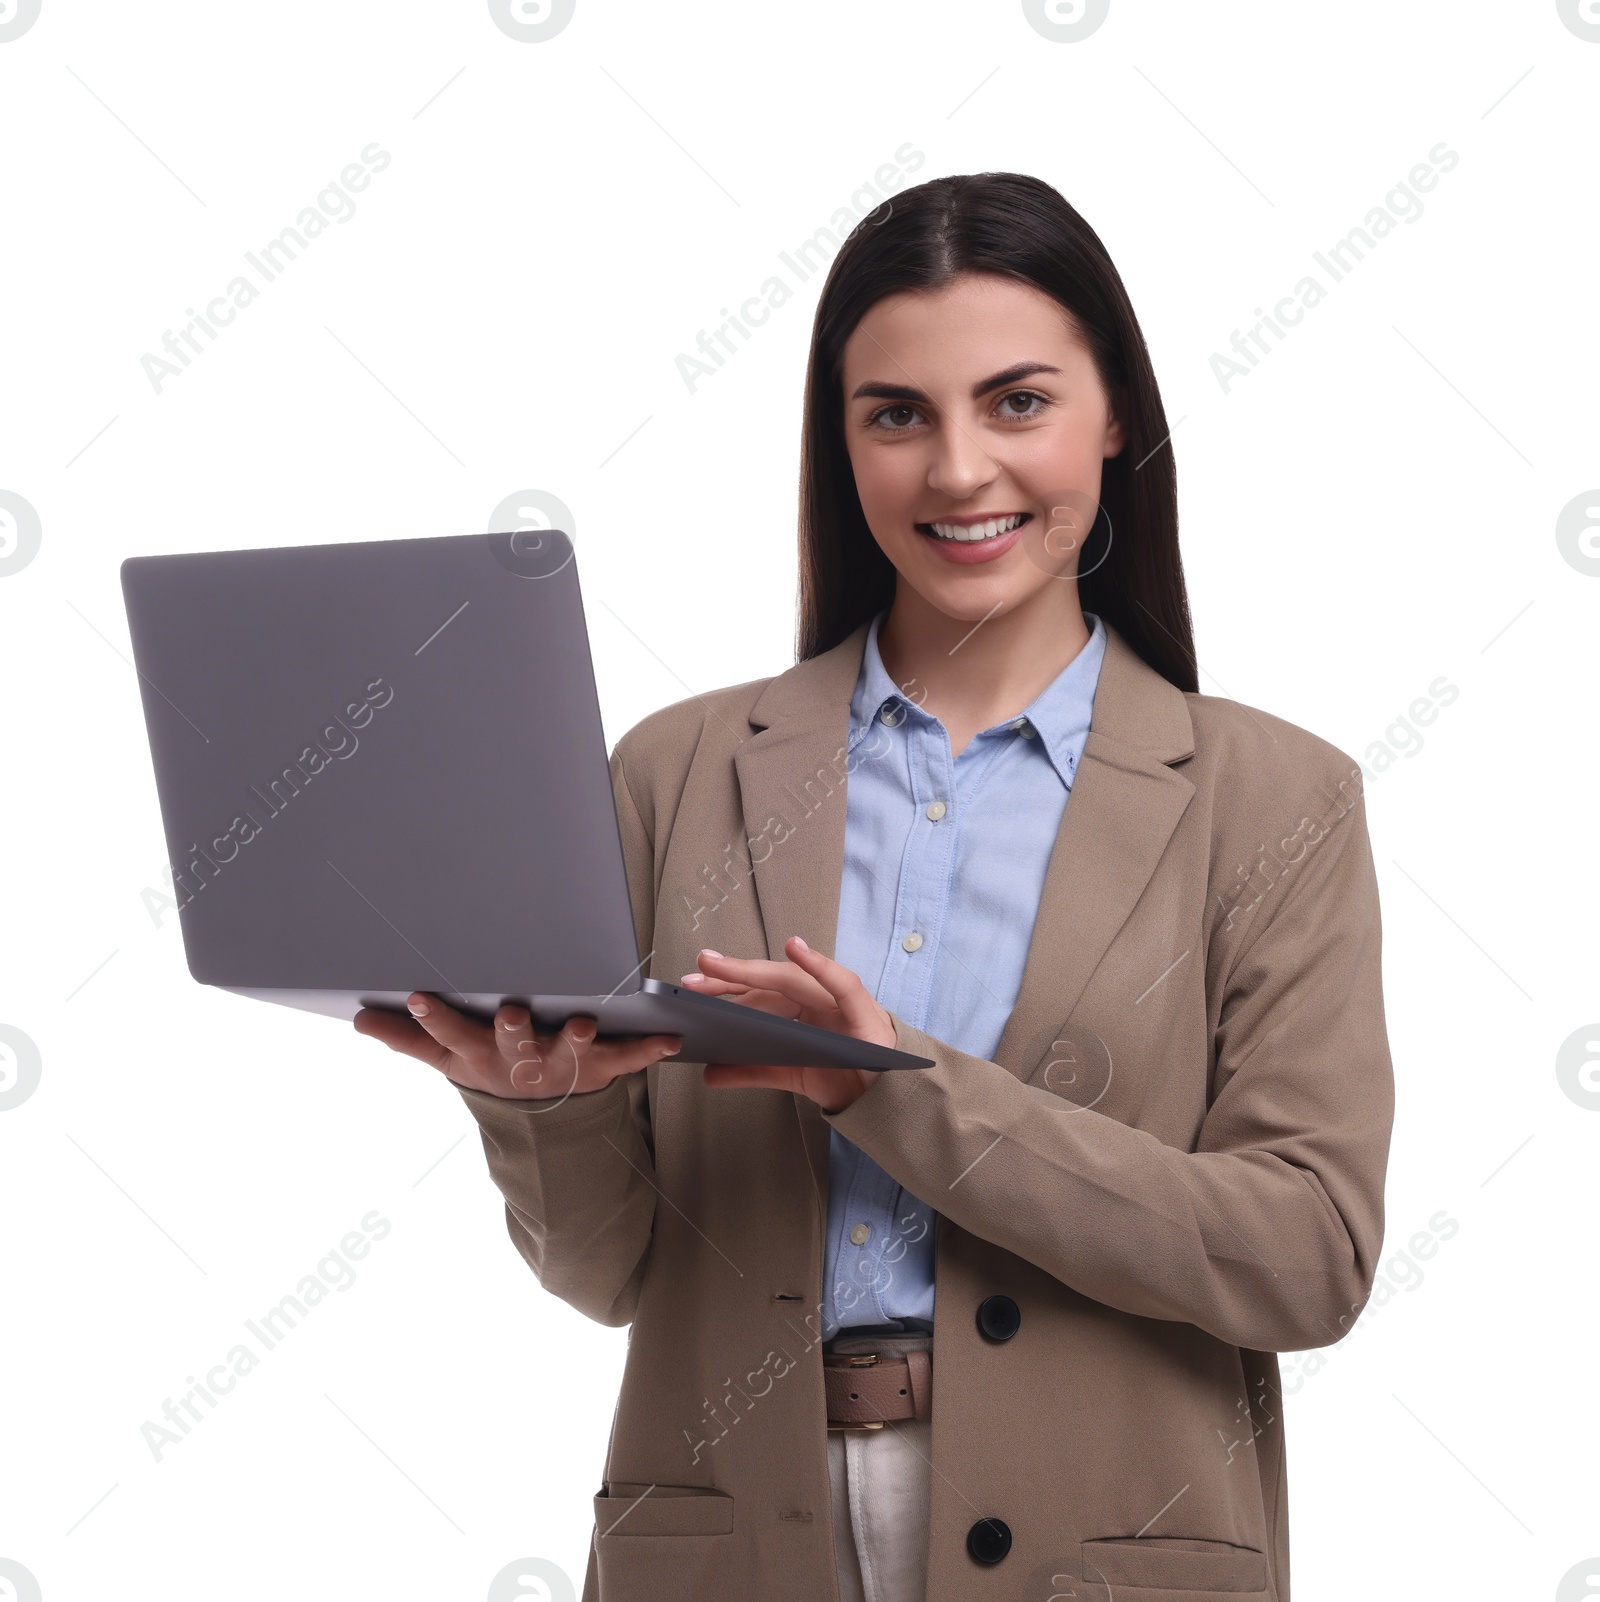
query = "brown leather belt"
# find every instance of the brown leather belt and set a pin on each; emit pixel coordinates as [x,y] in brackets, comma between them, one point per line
[865,1390]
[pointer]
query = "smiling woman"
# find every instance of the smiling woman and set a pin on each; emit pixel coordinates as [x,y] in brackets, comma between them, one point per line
[1149,1153]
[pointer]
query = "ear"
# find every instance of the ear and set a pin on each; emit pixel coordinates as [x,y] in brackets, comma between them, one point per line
[1116,434]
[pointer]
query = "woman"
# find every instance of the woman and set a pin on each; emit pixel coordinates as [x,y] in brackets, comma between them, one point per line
[1135,927]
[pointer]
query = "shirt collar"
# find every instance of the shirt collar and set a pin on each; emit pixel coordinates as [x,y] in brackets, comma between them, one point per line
[1059,715]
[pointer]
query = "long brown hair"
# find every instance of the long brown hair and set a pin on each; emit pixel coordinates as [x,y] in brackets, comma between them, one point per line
[1006,223]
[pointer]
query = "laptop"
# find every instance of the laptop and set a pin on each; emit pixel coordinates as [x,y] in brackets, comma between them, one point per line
[381,768]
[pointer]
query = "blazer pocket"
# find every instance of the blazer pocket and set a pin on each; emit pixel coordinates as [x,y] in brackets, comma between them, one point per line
[691,1552]
[629,1510]
[1168,1563]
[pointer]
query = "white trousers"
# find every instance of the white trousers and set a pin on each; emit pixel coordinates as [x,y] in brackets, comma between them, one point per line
[880,1481]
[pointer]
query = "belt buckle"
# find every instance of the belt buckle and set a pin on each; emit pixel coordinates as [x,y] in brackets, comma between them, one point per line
[856,1360]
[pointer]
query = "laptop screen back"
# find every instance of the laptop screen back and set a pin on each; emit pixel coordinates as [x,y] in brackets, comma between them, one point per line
[381,766]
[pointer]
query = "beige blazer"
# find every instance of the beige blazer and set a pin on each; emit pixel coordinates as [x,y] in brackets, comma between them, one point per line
[1174,1166]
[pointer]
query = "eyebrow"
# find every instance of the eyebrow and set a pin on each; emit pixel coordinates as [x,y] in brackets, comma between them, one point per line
[903,392]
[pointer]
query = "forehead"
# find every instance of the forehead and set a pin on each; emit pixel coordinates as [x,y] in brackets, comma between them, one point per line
[965,330]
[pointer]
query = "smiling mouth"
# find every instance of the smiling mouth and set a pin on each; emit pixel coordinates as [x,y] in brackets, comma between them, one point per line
[974,533]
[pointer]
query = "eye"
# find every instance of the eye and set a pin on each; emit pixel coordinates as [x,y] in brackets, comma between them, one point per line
[1028,409]
[899,411]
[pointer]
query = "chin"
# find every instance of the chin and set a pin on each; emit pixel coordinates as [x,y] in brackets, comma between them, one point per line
[971,599]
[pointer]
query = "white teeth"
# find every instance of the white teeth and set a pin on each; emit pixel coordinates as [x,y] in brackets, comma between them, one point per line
[978,531]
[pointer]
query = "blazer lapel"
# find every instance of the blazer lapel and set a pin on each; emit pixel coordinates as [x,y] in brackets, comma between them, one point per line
[1125,803]
[792,790]
[792,774]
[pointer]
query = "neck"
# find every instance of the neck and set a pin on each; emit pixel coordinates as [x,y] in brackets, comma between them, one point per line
[972,675]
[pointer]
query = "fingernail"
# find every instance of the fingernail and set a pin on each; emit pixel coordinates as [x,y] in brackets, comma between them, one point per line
[801,943]
[693,979]
[706,951]
[419,1009]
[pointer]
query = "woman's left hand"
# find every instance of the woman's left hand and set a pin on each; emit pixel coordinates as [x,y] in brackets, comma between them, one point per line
[812,988]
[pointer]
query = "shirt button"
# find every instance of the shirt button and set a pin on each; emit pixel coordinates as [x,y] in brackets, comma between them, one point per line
[1024,728]
[912,942]
[892,715]
[860,1233]
[936,811]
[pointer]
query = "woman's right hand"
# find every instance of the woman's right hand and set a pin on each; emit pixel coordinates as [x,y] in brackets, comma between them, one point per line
[509,1057]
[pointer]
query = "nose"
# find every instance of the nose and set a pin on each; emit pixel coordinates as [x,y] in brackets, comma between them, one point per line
[962,466]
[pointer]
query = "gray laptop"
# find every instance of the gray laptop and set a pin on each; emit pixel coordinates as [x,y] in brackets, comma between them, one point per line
[381,768]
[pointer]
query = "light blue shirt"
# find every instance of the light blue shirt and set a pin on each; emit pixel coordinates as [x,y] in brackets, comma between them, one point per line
[944,862]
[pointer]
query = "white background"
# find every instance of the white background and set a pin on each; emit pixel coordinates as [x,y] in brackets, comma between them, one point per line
[1371,508]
